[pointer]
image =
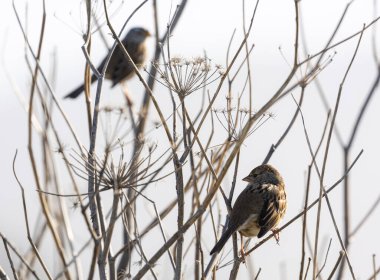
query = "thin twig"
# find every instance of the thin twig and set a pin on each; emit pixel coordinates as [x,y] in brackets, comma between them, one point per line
[42,263]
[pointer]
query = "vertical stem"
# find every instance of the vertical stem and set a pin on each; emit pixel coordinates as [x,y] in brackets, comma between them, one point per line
[305,222]
[346,209]
[180,196]
[87,83]
[346,199]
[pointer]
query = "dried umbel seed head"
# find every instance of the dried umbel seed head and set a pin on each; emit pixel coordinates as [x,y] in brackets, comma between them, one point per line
[184,76]
[233,120]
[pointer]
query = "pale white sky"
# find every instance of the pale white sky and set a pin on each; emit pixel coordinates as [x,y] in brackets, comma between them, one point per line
[206,26]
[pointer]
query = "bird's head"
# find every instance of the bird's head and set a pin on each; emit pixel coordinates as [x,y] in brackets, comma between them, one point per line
[137,34]
[264,174]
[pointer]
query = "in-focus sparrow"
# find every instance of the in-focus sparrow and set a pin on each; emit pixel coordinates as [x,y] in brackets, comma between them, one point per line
[259,207]
[119,69]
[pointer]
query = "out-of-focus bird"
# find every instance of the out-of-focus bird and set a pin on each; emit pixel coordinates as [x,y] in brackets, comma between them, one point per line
[119,69]
[259,207]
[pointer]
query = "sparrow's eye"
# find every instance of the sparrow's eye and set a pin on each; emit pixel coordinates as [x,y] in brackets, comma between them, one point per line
[254,175]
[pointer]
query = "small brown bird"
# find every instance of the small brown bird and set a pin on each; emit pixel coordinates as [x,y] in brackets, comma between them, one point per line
[259,207]
[119,69]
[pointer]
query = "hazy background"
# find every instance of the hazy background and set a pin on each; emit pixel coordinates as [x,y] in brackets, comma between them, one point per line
[207,26]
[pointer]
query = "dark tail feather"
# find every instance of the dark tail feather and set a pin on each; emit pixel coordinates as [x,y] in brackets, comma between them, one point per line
[75,93]
[225,236]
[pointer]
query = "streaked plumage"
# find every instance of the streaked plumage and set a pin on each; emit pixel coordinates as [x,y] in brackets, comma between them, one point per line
[119,69]
[259,207]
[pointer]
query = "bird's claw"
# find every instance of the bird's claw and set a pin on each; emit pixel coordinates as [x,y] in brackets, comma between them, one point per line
[242,255]
[276,235]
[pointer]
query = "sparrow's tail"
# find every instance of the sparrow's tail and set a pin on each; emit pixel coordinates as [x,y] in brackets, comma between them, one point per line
[225,236]
[75,93]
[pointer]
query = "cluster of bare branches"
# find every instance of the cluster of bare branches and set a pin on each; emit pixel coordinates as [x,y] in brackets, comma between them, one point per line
[120,175]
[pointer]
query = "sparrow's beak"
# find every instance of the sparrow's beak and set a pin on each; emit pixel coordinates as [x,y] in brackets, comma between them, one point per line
[147,33]
[246,179]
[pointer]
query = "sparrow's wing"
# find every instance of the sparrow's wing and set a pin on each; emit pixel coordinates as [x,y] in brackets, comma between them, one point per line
[249,202]
[119,68]
[274,207]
